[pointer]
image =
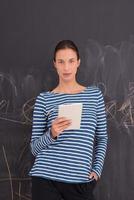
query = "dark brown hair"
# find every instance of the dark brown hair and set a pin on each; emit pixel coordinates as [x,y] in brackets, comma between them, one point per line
[66,44]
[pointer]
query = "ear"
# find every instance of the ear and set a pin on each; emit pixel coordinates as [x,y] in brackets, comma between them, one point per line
[54,63]
[79,61]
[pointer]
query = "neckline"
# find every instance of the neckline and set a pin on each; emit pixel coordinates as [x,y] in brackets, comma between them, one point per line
[62,93]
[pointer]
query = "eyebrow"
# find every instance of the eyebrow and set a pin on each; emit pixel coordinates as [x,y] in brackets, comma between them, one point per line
[60,59]
[72,59]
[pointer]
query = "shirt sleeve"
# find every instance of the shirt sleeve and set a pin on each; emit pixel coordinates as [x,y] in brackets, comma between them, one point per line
[101,136]
[41,137]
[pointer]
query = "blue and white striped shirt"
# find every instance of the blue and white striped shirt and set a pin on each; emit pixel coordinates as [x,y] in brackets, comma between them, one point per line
[76,152]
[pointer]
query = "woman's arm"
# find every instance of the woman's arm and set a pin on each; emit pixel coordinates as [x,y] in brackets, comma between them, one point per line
[101,137]
[41,137]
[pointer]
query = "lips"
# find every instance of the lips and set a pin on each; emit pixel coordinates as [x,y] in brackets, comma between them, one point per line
[67,74]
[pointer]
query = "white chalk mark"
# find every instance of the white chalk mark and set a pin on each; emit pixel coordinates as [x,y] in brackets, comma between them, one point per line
[9,173]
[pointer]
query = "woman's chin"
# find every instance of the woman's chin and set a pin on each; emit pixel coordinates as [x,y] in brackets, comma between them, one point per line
[67,79]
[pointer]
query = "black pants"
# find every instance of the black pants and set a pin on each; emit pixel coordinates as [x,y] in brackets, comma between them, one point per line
[44,189]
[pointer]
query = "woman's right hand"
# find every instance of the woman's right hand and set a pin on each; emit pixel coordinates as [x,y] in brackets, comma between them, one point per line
[59,125]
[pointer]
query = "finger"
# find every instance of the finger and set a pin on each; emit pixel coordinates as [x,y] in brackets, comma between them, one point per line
[63,121]
[61,129]
[64,124]
[60,119]
[91,175]
[96,178]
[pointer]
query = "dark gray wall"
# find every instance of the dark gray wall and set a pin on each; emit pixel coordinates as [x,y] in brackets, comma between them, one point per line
[104,33]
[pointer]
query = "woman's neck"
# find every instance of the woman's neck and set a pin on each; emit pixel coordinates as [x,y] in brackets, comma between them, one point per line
[69,87]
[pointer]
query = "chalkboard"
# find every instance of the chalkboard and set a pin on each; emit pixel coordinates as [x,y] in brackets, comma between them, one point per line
[104,33]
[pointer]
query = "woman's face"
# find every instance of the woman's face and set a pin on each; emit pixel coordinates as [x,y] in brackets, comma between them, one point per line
[66,64]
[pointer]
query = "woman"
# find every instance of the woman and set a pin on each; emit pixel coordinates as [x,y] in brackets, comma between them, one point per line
[68,162]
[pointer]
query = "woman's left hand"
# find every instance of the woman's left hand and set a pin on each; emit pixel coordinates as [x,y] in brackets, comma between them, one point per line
[93,175]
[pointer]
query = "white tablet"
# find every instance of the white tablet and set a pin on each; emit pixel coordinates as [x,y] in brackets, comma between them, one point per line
[71,111]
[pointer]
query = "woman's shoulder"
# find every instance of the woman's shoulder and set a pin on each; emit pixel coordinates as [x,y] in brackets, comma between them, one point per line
[42,95]
[94,88]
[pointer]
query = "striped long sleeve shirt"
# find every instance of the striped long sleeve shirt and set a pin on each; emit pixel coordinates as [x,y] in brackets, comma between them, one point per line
[75,153]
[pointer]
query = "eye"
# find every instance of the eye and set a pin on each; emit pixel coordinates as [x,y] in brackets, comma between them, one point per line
[71,61]
[60,61]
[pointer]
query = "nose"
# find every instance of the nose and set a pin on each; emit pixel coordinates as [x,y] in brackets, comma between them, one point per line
[66,67]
